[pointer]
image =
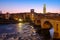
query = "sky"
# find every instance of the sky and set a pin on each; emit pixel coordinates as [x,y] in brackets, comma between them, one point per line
[17,6]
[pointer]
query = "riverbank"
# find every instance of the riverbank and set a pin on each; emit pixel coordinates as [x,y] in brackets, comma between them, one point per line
[10,21]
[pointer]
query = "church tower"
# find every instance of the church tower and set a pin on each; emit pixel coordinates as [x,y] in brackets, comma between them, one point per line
[44,8]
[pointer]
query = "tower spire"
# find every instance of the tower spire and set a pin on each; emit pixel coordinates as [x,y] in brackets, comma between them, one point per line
[44,8]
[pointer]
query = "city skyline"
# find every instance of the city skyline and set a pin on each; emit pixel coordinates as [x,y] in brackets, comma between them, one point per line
[16,6]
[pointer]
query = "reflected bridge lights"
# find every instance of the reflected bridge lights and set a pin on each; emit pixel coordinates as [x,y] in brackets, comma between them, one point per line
[19,29]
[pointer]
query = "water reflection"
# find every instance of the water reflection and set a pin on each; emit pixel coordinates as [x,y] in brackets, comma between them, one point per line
[33,29]
[27,31]
[19,27]
[51,32]
[20,31]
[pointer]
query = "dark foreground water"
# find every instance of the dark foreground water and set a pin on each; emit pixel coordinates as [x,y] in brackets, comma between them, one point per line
[20,31]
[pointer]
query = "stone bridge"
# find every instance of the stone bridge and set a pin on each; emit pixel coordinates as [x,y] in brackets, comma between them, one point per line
[50,23]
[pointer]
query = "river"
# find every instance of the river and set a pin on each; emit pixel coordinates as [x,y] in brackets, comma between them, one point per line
[19,31]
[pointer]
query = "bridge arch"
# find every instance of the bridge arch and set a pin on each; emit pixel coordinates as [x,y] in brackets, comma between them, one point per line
[48,24]
[49,29]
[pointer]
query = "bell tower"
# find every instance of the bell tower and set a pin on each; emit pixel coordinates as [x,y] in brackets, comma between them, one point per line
[44,8]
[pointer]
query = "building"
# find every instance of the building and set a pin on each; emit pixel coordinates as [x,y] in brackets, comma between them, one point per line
[44,8]
[0,12]
[7,15]
[32,10]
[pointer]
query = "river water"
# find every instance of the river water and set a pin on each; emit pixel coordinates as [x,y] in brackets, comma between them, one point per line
[19,31]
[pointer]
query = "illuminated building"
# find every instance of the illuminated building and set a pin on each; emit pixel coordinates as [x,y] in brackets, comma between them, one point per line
[44,8]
